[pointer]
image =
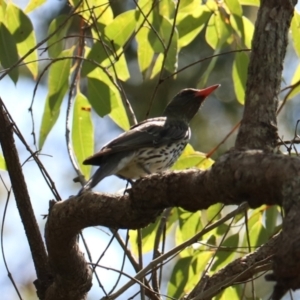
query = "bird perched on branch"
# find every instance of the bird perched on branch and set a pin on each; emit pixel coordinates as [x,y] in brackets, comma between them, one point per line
[152,145]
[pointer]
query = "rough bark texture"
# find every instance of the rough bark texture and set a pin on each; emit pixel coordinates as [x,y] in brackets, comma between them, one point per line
[259,125]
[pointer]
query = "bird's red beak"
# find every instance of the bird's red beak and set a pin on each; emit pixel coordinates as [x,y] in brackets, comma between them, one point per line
[207,91]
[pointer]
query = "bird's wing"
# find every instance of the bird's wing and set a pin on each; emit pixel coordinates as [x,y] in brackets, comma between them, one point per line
[150,133]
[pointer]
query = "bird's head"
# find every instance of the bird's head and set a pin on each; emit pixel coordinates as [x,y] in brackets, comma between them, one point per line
[187,102]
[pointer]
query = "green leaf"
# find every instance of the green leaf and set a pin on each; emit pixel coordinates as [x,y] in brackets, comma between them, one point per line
[191,24]
[157,65]
[95,54]
[56,42]
[8,52]
[295,79]
[2,163]
[57,87]
[159,40]
[248,32]
[105,98]
[181,274]
[227,252]
[213,213]
[188,7]
[234,7]
[250,2]
[191,158]
[217,31]
[121,28]
[209,69]
[99,10]
[166,8]
[211,36]
[2,9]
[149,233]
[239,75]
[97,57]
[144,50]
[21,28]
[33,4]
[295,26]
[189,225]
[257,232]
[148,236]
[229,293]
[82,132]
[271,216]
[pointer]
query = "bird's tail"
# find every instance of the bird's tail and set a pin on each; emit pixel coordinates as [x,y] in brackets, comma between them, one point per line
[111,166]
[93,181]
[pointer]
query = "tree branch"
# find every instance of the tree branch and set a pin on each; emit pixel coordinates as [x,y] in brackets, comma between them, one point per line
[25,209]
[254,176]
[259,125]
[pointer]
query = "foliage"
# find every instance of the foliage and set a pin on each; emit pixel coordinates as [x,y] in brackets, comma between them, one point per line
[88,69]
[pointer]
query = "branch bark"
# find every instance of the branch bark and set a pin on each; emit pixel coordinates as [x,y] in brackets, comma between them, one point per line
[258,129]
[253,175]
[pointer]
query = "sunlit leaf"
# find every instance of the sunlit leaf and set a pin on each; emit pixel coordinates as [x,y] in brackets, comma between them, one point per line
[295,26]
[191,25]
[182,271]
[82,132]
[144,50]
[148,236]
[227,252]
[160,39]
[149,233]
[248,31]
[105,98]
[191,158]
[2,163]
[166,8]
[239,75]
[234,7]
[188,7]
[2,9]
[257,232]
[97,58]
[8,52]
[250,2]
[229,293]
[272,219]
[295,79]
[57,87]
[157,65]
[213,213]
[121,28]
[33,4]
[189,225]
[56,42]
[99,10]
[21,28]
[211,35]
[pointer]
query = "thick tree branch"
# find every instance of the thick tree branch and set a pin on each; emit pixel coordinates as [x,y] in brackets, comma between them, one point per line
[259,125]
[19,187]
[251,175]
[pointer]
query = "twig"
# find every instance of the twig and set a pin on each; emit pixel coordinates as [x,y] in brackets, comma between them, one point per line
[178,248]
[23,202]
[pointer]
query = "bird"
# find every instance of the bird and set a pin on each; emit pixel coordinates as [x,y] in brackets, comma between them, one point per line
[150,146]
